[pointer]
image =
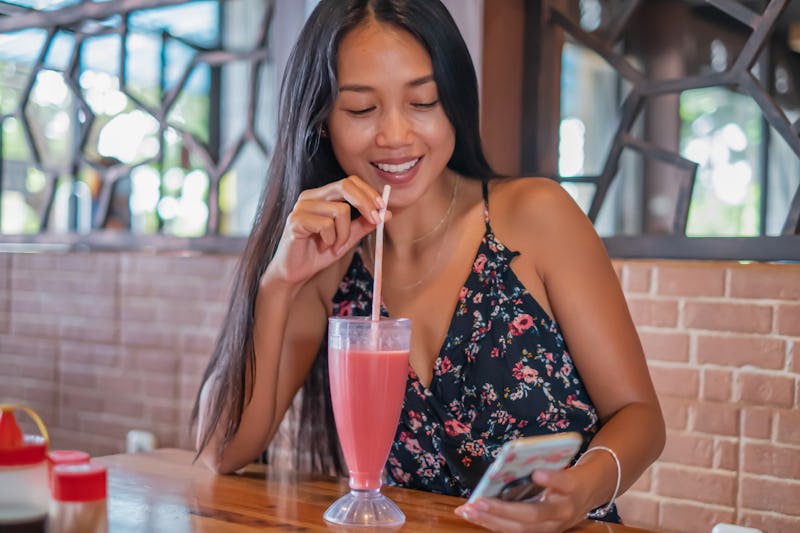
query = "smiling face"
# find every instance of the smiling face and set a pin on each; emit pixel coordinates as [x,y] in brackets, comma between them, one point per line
[387,124]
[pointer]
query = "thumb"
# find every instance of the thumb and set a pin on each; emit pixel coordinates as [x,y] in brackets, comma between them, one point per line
[360,227]
[555,480]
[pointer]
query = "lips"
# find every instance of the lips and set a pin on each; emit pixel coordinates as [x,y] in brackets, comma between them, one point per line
[397,171]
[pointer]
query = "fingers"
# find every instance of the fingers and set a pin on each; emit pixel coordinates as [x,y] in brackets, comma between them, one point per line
[331,220]
[561,481]
[324,212]
[552,514]
[354,191]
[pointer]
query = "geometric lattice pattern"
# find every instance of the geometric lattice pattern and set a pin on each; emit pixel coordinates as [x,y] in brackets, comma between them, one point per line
[87,20]
[738,76]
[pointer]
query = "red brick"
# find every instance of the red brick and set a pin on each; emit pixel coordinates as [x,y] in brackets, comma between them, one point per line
[688,449]
[715,418]
[213,267]
[660,313]
[763,281]
[772,460]
[30,369]
[675,411]
[719,316]
[765,389]
[133,334]
[27,346]
[788,422]
[757,422]
[126,406]
[88,331]
[76,376]
[636,277]
[701,485]
[5,268]
[770,494]
[773,523]
[726,454]
[181,313]
[789,320]
[688,516]
[136,265]
[106,426]
[105,355]
[160,388]
[25,325]
[665,346]
[198,341]
[80,400]
[683,382]
[162,362]
[162,414]
[13,389]
[691,279]
[639,509]
[794,354]
[717,384]
[114,382]
[740,350]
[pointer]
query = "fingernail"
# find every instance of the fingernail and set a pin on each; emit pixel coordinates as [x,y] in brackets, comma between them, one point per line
[481,505]
[541,476]
[465,511]
[376,217]
[380,203]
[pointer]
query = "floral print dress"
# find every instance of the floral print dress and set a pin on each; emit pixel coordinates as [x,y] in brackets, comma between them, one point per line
[503,372]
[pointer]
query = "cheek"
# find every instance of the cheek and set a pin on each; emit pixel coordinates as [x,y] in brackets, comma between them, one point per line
[442,136]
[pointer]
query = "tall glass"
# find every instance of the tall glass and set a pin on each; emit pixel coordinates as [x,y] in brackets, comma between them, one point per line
[368,367]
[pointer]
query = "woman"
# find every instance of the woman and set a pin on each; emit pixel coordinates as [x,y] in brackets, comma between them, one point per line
[384,91]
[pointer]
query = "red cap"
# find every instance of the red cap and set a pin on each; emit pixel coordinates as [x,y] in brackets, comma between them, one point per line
[17,449]
[67,457]
[79,483]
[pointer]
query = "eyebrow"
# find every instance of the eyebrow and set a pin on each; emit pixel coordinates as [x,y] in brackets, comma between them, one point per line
[366,88]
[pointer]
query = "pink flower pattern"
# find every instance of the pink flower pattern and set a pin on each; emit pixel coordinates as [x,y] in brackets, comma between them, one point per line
[503,372]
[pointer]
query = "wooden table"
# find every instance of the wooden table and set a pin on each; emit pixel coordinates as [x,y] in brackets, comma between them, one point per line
[161,491]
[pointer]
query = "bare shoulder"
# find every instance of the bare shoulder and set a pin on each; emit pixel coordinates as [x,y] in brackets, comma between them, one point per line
[536,210]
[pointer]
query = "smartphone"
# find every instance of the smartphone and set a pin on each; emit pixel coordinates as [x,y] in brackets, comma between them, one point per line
[509,476]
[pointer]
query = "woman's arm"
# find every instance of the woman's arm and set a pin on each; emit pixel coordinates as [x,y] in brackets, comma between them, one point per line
[562,253]
[305,269]
[590,308]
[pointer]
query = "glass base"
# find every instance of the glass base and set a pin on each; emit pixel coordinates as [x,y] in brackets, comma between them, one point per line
[364,508]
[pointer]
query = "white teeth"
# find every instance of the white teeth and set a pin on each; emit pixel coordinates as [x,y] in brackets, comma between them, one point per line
[396,169]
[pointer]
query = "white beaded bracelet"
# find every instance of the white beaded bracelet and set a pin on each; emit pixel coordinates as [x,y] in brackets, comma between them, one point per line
[600,513]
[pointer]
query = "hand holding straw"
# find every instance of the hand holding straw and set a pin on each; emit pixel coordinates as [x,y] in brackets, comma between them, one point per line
[378,269]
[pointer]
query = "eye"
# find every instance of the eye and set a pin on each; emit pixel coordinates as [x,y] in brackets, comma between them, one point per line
[360,112]
[425,105]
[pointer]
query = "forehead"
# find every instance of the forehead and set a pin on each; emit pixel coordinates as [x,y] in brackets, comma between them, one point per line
[375,50]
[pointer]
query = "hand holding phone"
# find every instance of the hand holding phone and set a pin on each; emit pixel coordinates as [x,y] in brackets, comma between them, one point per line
[509,476]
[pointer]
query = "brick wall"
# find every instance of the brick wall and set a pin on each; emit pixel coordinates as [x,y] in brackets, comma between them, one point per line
[723,345]
[103,343]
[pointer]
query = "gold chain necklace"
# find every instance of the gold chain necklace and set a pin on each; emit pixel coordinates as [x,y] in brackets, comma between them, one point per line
[446,218]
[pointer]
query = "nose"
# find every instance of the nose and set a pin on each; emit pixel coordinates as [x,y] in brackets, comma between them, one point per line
[394,130]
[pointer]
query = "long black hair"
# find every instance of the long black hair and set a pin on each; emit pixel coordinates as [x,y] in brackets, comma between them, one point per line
[303,159]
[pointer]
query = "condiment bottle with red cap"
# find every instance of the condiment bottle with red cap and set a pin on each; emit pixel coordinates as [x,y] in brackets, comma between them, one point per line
[24,492]
[78,502]
[64,457]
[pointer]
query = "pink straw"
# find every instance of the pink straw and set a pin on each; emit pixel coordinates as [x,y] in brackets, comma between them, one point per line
[378,270]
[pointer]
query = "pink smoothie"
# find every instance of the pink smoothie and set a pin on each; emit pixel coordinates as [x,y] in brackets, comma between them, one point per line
[367,390]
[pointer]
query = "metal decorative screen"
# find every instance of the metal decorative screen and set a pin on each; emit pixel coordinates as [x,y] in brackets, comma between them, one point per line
[749,71]
[112,113]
